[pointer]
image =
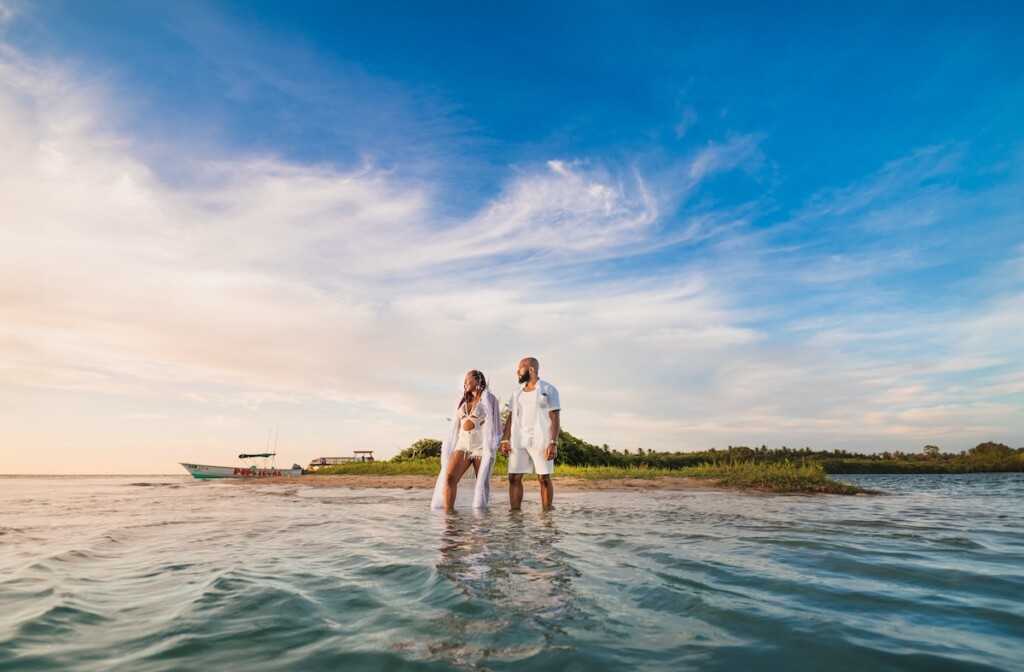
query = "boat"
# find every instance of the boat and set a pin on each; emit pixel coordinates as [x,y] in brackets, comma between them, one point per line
[263,468]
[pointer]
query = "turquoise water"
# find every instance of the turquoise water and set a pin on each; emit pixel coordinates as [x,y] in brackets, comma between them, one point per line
[168,573]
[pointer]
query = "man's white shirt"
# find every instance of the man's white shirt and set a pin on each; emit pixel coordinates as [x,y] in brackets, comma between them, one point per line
[537,414]
[528,414]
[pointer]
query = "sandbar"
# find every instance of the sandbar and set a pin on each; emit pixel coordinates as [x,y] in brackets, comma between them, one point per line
[418,482]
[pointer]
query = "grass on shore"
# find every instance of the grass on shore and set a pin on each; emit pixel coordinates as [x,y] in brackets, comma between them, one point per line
[808,477]
[425,466]
[782,477]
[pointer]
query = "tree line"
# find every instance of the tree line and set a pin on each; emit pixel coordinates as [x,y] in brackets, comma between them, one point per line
[985,457]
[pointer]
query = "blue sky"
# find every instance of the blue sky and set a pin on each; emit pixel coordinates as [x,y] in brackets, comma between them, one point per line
[729,224]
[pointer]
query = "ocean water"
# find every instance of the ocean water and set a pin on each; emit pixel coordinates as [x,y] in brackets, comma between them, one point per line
[166,573]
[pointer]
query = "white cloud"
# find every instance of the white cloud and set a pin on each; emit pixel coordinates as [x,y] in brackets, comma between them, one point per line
[687,120]
[721,157]
[284,283]
[348,304]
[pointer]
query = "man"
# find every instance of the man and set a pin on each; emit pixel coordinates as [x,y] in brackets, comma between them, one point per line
[531,434]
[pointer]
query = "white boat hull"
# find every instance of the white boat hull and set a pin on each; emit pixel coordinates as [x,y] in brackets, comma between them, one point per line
[208,471]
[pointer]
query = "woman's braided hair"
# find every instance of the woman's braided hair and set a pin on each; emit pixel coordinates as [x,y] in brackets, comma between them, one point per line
[480,379]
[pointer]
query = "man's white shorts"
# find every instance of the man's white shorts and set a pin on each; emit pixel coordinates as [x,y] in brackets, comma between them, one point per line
[530,458]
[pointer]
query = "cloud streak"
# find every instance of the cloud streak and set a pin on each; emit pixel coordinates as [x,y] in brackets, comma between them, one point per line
[349,302]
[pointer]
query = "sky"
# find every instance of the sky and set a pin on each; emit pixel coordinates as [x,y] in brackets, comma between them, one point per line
[714,224]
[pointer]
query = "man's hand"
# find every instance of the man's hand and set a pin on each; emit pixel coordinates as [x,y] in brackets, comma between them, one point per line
[504,448]
[552,451]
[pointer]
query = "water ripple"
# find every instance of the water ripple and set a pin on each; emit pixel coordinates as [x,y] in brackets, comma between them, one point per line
[170,574]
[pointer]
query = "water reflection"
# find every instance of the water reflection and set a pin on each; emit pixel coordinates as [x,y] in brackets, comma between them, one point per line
[517,580]
[511,560]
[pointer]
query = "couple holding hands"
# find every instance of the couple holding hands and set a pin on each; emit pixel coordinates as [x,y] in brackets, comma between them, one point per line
[529,438]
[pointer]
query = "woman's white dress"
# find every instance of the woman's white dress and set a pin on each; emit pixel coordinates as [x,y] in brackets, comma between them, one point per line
[492,432]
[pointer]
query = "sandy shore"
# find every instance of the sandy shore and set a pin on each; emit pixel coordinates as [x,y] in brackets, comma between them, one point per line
[412,482]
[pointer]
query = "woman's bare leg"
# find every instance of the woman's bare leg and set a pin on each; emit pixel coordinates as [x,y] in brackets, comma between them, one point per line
[457,466]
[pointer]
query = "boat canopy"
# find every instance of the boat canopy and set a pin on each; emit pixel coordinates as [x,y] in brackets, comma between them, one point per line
[246,456]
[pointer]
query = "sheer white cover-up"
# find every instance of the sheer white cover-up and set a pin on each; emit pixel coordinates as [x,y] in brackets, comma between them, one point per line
[492,430]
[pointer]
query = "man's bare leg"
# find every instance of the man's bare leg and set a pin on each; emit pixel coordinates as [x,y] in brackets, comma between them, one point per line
[515,491]
[547,490]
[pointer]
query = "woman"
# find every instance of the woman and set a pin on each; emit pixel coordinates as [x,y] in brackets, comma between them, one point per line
[472,440]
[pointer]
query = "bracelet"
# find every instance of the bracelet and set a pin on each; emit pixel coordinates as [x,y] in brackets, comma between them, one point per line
[503,441]
[553,441]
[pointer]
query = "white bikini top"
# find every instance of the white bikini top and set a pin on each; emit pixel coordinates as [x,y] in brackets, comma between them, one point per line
[466,415]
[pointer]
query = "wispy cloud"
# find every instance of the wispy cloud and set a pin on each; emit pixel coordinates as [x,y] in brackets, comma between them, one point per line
[687,120]
[6,13]
[720,157]
[351,299]
[284,278]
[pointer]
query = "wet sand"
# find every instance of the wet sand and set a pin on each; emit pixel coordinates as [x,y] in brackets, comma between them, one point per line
[416,482]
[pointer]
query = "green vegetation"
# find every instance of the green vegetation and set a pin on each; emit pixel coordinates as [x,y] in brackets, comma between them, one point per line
[807,477]
[430,466]
[427,466]
[776,470]
[987,457]
[419,450]
[608,473]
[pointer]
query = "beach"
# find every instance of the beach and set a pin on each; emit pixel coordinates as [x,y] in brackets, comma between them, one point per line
[420,482]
